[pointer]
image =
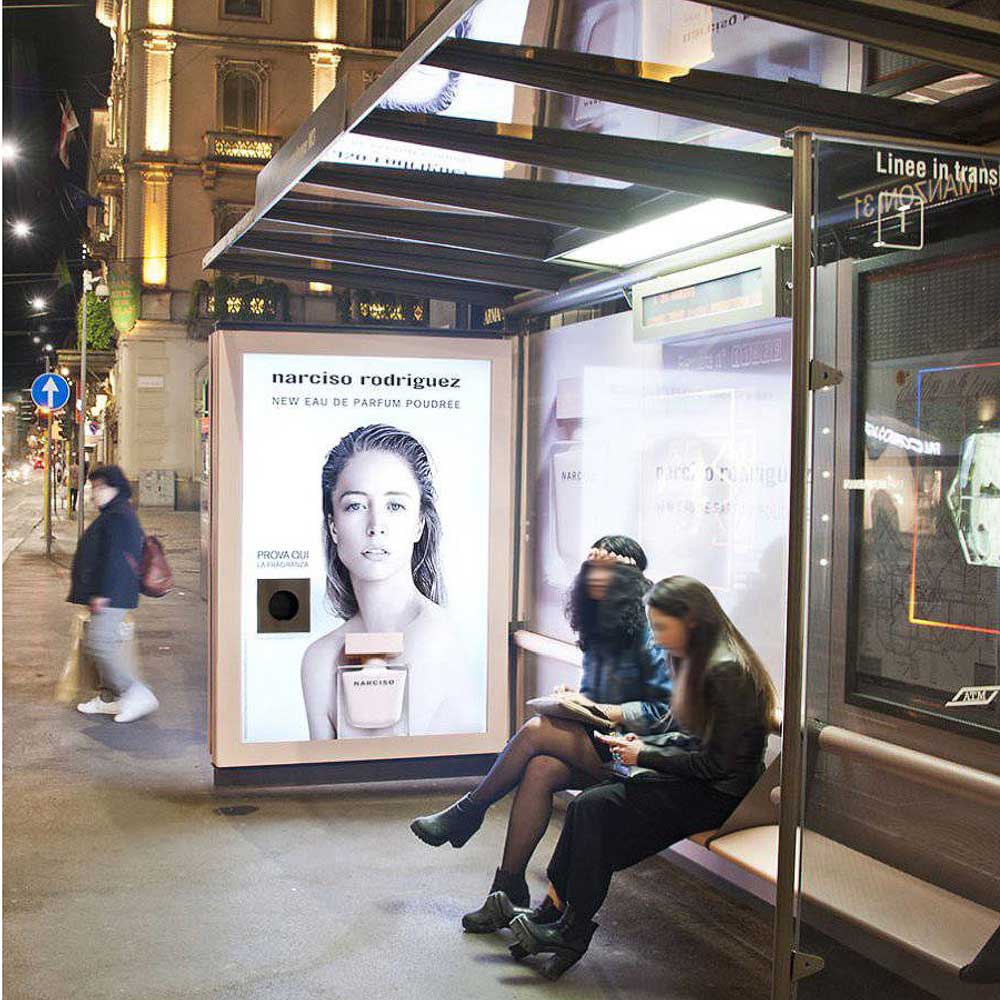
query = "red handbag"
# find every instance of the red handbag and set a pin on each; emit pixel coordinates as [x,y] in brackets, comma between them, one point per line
[156,579]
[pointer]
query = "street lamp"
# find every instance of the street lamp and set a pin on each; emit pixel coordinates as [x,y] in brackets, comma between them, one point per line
[10,151]
[100,289]
[38,303]
[36,340]
[21,229]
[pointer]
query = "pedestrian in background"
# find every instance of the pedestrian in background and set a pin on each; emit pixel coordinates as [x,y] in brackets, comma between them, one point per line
[105,577]
[73,476]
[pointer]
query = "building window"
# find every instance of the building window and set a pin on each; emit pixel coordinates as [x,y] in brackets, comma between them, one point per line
[255,10]
[240,100]
[388,24]
[226,216]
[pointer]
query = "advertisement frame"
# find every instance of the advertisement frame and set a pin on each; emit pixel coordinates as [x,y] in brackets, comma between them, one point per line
[892,702]
[227,349]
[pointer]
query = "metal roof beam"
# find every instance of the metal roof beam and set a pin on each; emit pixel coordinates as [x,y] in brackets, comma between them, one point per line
[439,262]
[573,205]
[937,34]
[974,116]
[238,262]
[487,234]
[701,170]
[771,107]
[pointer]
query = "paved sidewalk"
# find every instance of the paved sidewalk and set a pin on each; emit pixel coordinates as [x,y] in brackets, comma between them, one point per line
[22,510]
[122,879]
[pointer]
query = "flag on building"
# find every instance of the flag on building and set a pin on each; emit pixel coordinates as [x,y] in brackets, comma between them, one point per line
[61,273]
[67,126]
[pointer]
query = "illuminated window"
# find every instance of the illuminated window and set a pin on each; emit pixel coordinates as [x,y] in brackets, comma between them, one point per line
[156,188]
[388,24]
[159,61]
[240,101]
[244,8]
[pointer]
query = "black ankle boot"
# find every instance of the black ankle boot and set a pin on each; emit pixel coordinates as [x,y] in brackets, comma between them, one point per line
[456,824]
[566,940]
[497,913]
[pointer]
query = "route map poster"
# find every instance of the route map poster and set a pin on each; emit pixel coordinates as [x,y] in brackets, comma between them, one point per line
[927,551]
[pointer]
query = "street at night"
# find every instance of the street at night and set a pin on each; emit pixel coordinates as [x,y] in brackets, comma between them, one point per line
[501,499]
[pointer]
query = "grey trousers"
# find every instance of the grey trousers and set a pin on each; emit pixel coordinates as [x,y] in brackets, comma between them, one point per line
[105,640]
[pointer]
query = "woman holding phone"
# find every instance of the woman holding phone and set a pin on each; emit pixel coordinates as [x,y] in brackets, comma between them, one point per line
[692,772]
[624,674]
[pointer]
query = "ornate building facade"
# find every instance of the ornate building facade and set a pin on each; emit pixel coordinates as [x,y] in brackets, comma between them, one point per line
[202,94]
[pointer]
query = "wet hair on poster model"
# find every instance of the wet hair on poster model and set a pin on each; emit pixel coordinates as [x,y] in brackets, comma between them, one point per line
[382,536]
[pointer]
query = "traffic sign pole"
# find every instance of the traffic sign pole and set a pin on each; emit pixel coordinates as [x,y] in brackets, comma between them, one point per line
[49,392]
[48,486]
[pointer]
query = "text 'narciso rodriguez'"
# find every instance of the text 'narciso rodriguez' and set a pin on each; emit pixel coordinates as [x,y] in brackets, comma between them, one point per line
[390,381]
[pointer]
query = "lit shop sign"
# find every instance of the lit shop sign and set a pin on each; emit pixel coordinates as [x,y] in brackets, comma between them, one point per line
[740,292]
[880,432]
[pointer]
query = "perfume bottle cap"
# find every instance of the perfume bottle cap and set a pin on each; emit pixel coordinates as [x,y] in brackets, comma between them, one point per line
[369,644]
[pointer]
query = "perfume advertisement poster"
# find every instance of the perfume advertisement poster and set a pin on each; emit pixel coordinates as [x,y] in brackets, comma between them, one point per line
[366,514]
[682,447]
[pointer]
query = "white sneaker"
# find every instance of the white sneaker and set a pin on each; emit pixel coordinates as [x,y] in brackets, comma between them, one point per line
[97,706]
[136,702]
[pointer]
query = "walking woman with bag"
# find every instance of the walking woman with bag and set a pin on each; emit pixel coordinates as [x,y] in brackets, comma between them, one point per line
[106,576]
[624,674]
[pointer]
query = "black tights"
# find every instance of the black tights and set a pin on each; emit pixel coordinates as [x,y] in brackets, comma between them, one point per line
[543,757]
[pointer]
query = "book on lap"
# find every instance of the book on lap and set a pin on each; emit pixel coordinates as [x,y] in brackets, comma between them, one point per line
[558,707]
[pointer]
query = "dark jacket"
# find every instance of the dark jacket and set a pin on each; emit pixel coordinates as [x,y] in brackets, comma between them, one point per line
[108,559]
[636,678]
[729,755]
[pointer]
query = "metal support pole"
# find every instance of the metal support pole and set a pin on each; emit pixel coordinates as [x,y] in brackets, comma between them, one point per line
[88,280]
[67,460]
[47,488]
[783,979]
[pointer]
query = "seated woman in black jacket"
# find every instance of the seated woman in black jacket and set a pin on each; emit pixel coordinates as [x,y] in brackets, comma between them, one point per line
[688,776]
[624,672]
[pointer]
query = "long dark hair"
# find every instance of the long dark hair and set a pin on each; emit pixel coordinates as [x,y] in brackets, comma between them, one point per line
[691,601]
[617,621]
[425,563]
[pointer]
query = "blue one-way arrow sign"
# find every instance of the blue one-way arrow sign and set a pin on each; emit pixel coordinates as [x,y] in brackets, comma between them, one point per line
[50,390]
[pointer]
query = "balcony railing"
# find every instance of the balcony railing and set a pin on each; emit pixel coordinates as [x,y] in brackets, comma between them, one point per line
[240,147]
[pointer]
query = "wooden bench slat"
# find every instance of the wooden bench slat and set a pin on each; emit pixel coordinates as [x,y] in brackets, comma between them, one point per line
[886,902]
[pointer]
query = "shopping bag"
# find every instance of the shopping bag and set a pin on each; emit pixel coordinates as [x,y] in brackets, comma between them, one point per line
[79,678]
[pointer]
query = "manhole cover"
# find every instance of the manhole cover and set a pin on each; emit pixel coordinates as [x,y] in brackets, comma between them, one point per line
[235,810]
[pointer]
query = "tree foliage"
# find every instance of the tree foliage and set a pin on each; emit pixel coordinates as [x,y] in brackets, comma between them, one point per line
[101,332]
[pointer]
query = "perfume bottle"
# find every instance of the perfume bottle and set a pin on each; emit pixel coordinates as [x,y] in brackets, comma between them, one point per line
[372,694]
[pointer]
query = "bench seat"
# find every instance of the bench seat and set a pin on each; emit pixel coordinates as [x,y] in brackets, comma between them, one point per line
[887,903]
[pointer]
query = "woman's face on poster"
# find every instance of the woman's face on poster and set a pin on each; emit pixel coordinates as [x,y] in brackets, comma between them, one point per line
[376,515]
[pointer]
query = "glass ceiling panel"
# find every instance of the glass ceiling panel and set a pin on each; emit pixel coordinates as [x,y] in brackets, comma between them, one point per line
[676,34]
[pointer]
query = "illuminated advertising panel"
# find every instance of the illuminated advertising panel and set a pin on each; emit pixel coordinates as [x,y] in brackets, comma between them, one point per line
[372,549]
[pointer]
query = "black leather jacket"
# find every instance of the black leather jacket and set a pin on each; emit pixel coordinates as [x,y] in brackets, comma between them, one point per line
[729,755]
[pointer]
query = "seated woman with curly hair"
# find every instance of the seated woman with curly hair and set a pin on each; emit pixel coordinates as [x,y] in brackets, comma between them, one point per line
[624,673]
[686,776]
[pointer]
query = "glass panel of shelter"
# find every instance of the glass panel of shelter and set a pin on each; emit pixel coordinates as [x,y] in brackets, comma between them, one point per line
[904,552]
[675,35]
